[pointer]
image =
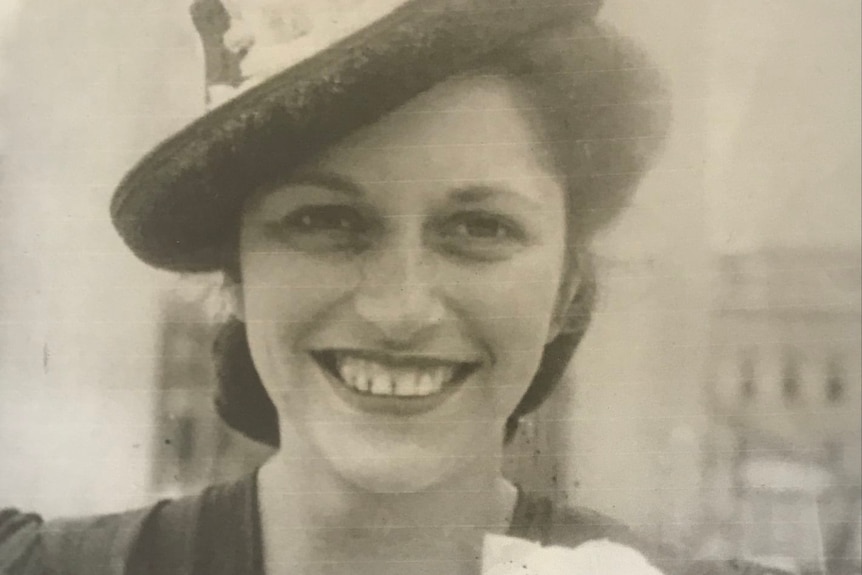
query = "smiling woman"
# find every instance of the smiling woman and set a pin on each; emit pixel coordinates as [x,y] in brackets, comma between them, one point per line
[401,198]
[406,291]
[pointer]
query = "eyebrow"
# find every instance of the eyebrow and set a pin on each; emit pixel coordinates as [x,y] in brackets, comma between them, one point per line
[476,193]
[329,180]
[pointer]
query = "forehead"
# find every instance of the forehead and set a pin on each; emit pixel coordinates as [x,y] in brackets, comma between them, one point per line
[470,127]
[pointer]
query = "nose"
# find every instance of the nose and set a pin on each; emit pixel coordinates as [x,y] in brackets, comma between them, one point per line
[397,295]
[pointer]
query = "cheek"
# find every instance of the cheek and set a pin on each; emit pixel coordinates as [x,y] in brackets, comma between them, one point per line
[520,292]
[511,310]
[284,298]
[288,287]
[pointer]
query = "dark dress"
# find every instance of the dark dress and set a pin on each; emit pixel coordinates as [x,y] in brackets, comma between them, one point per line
[218,533]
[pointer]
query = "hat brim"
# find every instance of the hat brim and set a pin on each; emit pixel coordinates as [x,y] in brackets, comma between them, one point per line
[178,208]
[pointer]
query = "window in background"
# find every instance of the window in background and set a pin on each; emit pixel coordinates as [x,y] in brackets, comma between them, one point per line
[747,375]
[835,380]
[790,377]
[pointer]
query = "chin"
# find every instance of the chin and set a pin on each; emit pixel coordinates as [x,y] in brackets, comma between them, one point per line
[389,482]
[394,466]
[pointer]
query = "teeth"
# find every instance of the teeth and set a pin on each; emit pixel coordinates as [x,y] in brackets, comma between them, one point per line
[360,382]
[405,383]
[377,379]
[348,370]
[426,384]
[381,385]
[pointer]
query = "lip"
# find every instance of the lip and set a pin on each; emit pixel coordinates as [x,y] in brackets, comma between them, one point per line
[393,405]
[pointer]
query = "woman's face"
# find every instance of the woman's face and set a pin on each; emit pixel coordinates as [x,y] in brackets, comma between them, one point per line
[398,291]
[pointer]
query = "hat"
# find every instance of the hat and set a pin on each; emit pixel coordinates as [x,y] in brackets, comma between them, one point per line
[287,78]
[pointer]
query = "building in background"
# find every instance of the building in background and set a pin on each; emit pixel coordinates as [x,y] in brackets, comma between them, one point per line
[782,466]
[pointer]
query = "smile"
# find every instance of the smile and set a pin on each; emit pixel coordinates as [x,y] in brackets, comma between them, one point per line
[380,375]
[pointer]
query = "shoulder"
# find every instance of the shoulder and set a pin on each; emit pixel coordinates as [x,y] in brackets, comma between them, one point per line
[209,532]
[214,532]
[19,534]
[95,545]
[98,544]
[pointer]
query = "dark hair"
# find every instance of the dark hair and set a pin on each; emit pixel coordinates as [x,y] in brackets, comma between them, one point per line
[601,109]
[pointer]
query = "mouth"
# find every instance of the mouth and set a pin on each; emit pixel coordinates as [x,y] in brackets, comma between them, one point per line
[386,376]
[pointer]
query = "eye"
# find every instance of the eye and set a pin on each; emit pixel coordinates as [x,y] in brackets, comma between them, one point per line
[321,228]
[324,218]
[482,227]
[481,235]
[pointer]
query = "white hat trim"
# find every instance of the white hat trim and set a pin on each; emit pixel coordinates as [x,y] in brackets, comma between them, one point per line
[278,34]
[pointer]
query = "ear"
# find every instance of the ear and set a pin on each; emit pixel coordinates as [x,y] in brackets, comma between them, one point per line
[568,290]
[232,303]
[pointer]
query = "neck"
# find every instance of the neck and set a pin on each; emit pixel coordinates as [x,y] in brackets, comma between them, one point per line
[313,517]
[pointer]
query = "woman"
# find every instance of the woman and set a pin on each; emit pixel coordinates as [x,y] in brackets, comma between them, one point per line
[401,199]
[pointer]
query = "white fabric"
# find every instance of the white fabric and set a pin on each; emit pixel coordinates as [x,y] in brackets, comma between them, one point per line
[278,34]
[503,555]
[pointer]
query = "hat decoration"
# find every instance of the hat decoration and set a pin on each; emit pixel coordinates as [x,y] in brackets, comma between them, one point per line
[248,41]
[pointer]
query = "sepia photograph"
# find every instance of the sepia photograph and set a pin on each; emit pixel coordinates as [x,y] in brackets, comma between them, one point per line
[430,287]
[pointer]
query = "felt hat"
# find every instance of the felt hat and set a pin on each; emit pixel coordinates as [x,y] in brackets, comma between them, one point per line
[285,79]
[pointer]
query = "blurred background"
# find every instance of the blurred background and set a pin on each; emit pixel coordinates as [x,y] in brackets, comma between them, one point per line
[716,402]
